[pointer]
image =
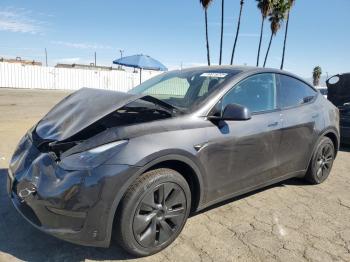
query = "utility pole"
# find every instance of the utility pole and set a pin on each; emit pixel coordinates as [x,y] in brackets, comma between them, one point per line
[95,58]
[121,56]
[45,56]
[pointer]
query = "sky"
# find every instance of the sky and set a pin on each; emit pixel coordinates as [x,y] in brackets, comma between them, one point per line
[172,32]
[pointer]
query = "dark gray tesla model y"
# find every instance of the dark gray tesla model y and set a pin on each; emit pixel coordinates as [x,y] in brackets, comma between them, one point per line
[132,166]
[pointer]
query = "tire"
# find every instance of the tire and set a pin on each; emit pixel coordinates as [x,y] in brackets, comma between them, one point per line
[153,212]
[321,162]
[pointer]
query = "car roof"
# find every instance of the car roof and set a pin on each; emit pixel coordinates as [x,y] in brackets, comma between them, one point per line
[243,69]
[235,68]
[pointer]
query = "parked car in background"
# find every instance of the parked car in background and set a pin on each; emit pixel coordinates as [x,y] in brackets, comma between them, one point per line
[323,90]
[134,165]
[339,95]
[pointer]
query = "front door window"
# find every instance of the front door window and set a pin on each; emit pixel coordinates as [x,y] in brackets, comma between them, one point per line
[257,93]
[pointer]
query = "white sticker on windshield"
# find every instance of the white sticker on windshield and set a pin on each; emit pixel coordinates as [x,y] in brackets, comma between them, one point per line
[216,75]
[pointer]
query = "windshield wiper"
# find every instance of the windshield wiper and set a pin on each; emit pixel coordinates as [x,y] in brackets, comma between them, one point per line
[173,110]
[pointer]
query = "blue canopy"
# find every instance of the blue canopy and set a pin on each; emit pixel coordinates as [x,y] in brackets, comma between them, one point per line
[142,62]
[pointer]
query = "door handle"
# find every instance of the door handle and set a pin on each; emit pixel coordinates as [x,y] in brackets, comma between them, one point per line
[315,116]
[273,124]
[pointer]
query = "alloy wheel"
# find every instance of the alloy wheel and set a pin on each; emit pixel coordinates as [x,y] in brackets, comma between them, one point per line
[159,215]
[324,161]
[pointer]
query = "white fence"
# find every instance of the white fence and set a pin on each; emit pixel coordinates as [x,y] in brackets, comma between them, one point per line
[30,76]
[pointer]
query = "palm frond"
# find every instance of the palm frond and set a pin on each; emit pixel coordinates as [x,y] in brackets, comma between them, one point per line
[205,3]
[291,3]
[265,7]
[278,14]
[317,71]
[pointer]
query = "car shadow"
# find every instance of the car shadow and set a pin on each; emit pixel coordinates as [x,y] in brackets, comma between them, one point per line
[20,240]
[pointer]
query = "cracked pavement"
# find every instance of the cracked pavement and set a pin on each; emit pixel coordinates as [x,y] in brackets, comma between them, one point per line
[290,221]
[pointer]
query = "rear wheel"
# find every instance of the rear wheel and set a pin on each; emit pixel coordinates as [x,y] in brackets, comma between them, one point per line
[153,212]
[321,162]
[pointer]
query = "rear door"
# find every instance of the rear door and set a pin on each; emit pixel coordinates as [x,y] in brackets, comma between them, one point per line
[300,118]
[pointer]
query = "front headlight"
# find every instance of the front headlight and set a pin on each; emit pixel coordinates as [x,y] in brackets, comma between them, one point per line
[93,157]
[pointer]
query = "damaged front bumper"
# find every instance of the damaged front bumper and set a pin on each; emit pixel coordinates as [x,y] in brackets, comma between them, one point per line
[75,206]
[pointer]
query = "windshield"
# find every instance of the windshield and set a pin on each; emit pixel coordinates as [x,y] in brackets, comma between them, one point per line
[184,89]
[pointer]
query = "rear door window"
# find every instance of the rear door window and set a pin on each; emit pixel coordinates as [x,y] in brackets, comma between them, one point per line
[294,92]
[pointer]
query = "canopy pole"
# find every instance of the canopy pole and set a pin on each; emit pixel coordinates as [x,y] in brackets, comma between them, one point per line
[140,76]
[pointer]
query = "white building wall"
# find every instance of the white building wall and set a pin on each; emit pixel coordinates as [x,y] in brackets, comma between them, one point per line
[38,77]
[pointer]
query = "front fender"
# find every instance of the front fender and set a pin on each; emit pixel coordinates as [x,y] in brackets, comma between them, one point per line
[149,162]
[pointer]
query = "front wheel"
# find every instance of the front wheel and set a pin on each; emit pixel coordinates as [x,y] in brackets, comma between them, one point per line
[153,212]
[321,162]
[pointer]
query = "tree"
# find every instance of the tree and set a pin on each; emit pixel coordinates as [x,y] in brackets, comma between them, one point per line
[222,29]
[277,16]
[290,5]
[237,32]
[316,75]
[205,4]
[265,7]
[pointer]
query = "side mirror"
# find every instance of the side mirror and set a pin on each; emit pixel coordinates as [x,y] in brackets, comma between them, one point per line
[233,112]
[236,112]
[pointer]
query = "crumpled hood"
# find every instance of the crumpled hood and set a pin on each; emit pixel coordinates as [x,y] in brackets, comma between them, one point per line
[80,110]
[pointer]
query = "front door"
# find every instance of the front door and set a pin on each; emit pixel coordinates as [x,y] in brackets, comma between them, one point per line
[243,154]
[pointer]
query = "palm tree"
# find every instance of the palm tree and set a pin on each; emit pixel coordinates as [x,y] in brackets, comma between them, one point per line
[265,9]
[205,4]
[291,3]
[222,28]
[237,32]
[277,16]
[316,75]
